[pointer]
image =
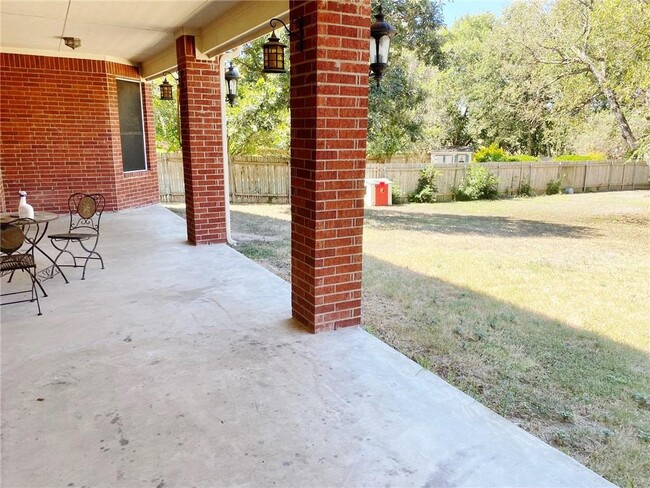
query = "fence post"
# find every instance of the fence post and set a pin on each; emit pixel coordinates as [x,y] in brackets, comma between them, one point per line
[609,178]
[498,176]
[623,177]
[584,180]
[633,175]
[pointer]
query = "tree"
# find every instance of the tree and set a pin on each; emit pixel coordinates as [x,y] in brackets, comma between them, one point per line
[466,90]
[599,44]
[482,96]
[395,112]
[417,23]
[166,119]
[537,79]
[260,121]
[395,123]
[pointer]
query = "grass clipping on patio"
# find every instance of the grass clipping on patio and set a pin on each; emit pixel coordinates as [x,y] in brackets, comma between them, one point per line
[535,307]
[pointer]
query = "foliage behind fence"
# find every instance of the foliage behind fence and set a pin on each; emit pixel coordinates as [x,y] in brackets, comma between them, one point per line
[255,179]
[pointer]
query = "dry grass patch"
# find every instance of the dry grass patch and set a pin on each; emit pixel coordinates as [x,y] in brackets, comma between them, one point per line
[536,307]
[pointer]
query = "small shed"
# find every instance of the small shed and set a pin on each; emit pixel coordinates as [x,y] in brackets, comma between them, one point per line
[452,155]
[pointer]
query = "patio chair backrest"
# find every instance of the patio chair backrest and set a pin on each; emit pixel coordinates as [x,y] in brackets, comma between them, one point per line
[85,211]
[13,234]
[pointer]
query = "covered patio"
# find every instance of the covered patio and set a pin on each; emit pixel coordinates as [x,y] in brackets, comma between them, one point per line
[77,116]
[180,365]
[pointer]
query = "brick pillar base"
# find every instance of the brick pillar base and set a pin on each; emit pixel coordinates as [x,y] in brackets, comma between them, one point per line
[329,115]
[203,160]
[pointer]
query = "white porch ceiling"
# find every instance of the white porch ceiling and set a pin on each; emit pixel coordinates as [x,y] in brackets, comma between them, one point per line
[139,32]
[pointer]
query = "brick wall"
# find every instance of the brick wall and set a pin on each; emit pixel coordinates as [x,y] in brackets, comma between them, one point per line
[329,111]
[60,133]
[203,162]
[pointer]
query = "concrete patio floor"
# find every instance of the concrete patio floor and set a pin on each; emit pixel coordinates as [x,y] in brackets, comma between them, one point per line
[180,366]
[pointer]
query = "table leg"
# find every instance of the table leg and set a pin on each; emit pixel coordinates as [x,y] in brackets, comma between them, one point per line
[49,272]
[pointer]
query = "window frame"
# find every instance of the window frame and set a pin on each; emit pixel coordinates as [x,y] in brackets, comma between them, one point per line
[144,135]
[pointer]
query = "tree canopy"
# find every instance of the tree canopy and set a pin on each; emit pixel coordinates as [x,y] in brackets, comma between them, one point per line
[547,77]
[166,119]
[259,122]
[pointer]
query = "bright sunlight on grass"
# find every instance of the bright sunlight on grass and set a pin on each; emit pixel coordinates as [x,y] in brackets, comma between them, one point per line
[535,307]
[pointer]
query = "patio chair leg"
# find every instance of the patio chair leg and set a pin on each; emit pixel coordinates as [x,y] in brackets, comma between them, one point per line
[90,252]
[42,289]
[35,290]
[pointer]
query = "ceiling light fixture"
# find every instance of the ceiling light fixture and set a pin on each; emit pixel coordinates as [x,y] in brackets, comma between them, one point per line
[72,42]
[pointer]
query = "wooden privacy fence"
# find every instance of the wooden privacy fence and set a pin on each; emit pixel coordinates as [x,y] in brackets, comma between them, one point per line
[257,179]
[170,177]
[581,176]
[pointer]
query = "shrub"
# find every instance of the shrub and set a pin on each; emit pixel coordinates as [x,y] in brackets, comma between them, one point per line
[580,157]
[495,153]
[427,186]
[553,187]
[525,190]
[478,184]
[490,153]
[396,194]
[525,158]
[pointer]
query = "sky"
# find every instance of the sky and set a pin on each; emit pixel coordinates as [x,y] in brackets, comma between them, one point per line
[453,9]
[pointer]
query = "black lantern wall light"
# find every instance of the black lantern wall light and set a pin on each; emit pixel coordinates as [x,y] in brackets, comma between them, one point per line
[232,80]
[273,49]
[166,88]
[381,33]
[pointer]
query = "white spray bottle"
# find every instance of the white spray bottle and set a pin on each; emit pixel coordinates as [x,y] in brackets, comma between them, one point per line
[25,210]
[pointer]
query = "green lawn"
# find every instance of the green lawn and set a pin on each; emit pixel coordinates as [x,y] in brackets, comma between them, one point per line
[536,307]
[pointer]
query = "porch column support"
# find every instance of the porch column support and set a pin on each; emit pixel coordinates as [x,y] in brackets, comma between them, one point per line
[329,116]
[199,93]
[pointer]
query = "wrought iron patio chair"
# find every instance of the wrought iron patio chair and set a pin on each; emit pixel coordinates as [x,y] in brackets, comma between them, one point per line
[17,254]
[85,215]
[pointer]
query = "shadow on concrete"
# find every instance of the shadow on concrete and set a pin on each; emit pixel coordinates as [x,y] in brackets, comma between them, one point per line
[563,384]
[472,225]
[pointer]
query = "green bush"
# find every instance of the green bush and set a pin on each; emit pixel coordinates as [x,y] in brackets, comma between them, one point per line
[580,157]
[525,158]
[478,184]
[525,190]
[494,153]
[490,153]
[427,186]
[553,187]
[396,194]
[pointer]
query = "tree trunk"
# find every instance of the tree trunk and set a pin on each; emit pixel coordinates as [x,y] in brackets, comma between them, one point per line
[626,131]
[601,80]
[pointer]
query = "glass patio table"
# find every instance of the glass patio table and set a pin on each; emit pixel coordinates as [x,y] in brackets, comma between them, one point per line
[41,218]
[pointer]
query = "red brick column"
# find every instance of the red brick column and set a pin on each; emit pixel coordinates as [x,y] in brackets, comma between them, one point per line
[200,106]
[329,114]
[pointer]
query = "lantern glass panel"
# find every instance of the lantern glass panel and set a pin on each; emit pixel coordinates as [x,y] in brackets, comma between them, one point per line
[373,50]
[166,91]
[232,87]
[274,58]
[384,44]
